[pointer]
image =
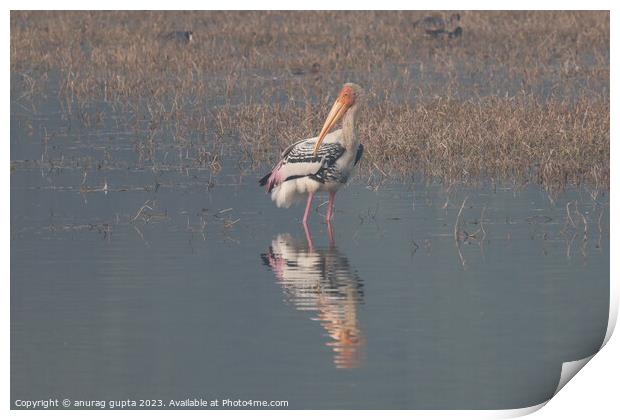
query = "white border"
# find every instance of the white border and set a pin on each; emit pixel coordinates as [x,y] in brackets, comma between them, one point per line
[314,5]
[596,384]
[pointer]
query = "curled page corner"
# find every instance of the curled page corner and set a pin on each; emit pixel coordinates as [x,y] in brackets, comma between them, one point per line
[613,310]
[520,412]
[570,369]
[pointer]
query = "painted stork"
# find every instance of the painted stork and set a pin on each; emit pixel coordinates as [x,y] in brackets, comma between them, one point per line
[322,163]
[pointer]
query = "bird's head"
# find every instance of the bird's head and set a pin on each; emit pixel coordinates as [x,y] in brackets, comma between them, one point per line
[350,95]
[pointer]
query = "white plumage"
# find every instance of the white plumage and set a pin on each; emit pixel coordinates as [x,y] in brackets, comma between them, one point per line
[322,163]
[287,193]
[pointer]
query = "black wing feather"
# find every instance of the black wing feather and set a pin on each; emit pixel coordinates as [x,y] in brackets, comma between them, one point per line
[358,155]
[263,180]
[303,152]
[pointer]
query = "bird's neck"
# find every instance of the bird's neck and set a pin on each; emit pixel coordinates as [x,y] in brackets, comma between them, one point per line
[349,130]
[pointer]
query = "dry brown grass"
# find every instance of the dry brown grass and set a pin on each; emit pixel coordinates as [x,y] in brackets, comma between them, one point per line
[521,95]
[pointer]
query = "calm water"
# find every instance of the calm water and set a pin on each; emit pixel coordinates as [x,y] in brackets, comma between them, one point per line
[160,287]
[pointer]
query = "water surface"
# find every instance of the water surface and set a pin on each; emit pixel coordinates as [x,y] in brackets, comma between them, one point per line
[216,293]
[147,277]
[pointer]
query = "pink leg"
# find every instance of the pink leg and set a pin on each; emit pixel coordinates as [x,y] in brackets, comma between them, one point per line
[330,234]
[308,204]
[309,238]
[330,207]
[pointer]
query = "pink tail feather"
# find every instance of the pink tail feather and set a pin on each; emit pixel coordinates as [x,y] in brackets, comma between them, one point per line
[272,179]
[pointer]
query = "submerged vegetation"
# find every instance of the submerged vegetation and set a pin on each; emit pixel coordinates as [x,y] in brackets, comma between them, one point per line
[516,96]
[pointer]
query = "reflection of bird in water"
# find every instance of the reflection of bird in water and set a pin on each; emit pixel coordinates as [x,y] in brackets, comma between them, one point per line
[322,163]
[321,281]
[438,27]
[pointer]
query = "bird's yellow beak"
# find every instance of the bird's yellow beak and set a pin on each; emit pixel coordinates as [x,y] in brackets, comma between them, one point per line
[336,113]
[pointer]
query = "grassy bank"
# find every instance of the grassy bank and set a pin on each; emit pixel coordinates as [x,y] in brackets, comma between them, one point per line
[520,96]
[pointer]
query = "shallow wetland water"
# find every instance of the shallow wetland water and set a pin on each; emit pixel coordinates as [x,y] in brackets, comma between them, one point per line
[147,263]
[159,286]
